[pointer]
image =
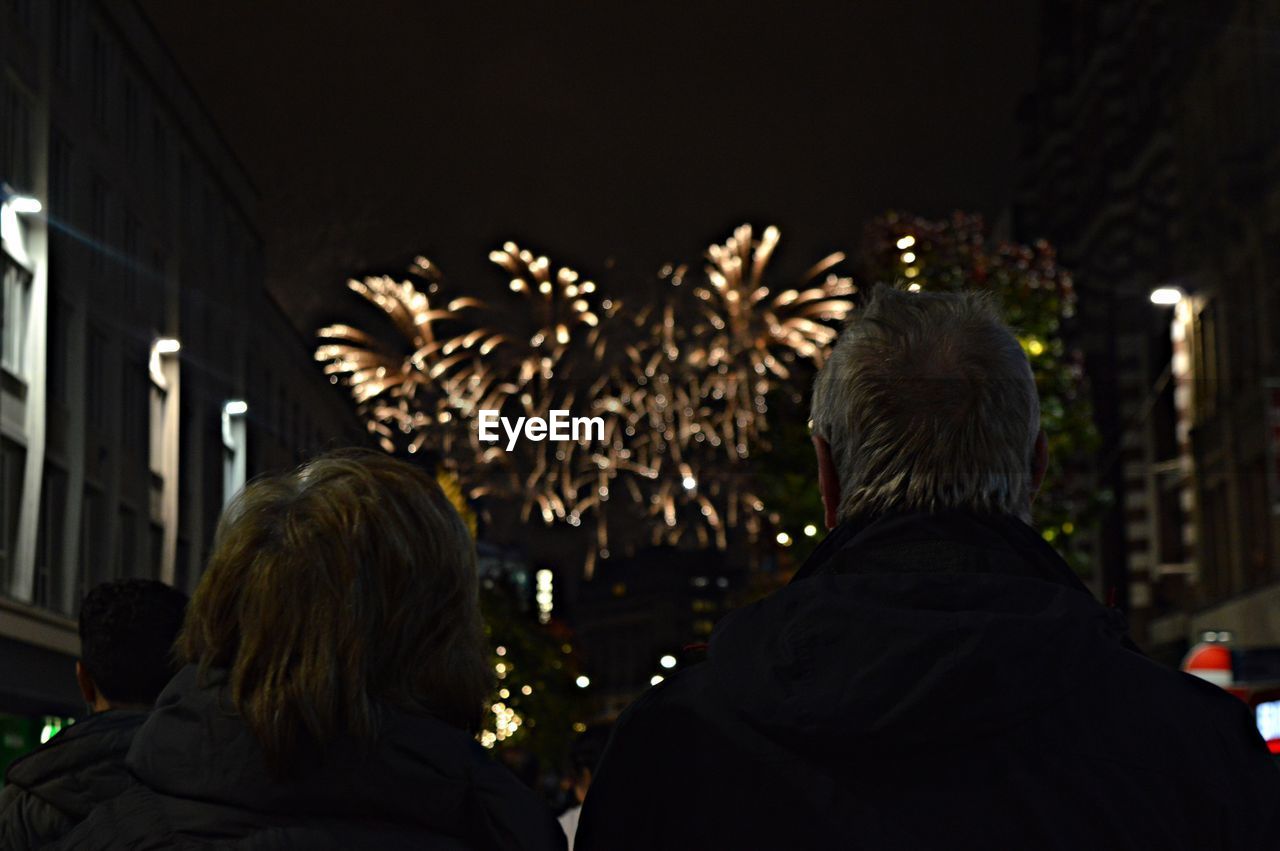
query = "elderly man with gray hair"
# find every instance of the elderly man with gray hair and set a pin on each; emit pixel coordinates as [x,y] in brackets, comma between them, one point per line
[934,676]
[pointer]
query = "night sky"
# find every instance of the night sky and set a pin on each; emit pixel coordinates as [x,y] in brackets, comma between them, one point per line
[595,131]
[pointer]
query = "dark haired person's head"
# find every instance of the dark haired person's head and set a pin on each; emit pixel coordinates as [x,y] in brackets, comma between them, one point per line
[127,634]
[345,585]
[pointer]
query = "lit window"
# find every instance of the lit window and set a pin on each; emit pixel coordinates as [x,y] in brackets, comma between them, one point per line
[17,289]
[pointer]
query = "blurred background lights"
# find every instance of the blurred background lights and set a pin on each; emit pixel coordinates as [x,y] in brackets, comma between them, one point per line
[544,595]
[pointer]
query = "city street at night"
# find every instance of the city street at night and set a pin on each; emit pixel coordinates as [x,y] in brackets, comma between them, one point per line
[679,426]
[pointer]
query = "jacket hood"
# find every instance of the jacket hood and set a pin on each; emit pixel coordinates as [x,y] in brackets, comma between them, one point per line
[909,632]
[82,765]
[421,773]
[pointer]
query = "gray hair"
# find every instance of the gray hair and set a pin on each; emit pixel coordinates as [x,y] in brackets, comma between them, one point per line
[928,403]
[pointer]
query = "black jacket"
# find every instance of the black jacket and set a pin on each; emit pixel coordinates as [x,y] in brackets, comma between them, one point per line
[932,682]
[51,790]
[201,781]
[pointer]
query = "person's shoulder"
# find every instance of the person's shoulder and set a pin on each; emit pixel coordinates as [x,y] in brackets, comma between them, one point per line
[672,700]
[27,820]
[1167,717]
[1147,683]
[88,743]
[69,750]
[656,735]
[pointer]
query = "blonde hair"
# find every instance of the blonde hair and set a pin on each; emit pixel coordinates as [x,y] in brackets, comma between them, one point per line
[928,403]
[344,585]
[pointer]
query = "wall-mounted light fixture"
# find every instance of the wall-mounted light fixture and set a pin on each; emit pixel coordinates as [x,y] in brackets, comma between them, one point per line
[24,205]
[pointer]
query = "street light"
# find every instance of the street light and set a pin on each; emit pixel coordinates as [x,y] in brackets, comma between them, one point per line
[667,661]
[238,408]
[583,681]
[24,204]
[160,347]
[1167,296]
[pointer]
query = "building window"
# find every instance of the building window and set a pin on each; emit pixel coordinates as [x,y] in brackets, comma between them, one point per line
[99,69]
[181,569]
[213,471]
[48,576]
[130,118]
[157,402]
[60,174]
[1206,362]
[127,544]
[16,123]
[132,290]
[155,540]
[93,545]
[13,459]
[155,289]
[59,341]
[22,12]
[97,224]
[17,296]
[63,40]
[95,385]
[160,156]
[137,408]
[184,194]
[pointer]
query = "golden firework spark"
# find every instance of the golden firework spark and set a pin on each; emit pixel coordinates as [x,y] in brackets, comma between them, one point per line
[418,386]
[749,333]
[677,397]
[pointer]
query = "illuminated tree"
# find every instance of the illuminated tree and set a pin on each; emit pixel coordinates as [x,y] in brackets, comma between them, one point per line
[1038,301]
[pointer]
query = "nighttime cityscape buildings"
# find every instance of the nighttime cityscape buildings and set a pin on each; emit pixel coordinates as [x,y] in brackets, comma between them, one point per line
[1151,160]
[147,372]
[224,236]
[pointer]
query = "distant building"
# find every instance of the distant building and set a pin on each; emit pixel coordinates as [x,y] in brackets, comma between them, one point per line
[146,371]
[1150,160]
[638,610]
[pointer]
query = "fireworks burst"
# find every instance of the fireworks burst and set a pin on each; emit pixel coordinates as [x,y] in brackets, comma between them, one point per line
[675,397]
[412,389]
[749,334]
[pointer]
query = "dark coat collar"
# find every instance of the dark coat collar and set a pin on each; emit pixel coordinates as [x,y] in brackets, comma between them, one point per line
[839,552]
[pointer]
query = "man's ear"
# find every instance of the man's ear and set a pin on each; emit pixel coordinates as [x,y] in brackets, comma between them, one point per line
[1039,462]
[88,689]
[828,480]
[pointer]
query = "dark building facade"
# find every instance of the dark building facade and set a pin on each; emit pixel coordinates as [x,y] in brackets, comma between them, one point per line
[147,372]
[1150,159]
